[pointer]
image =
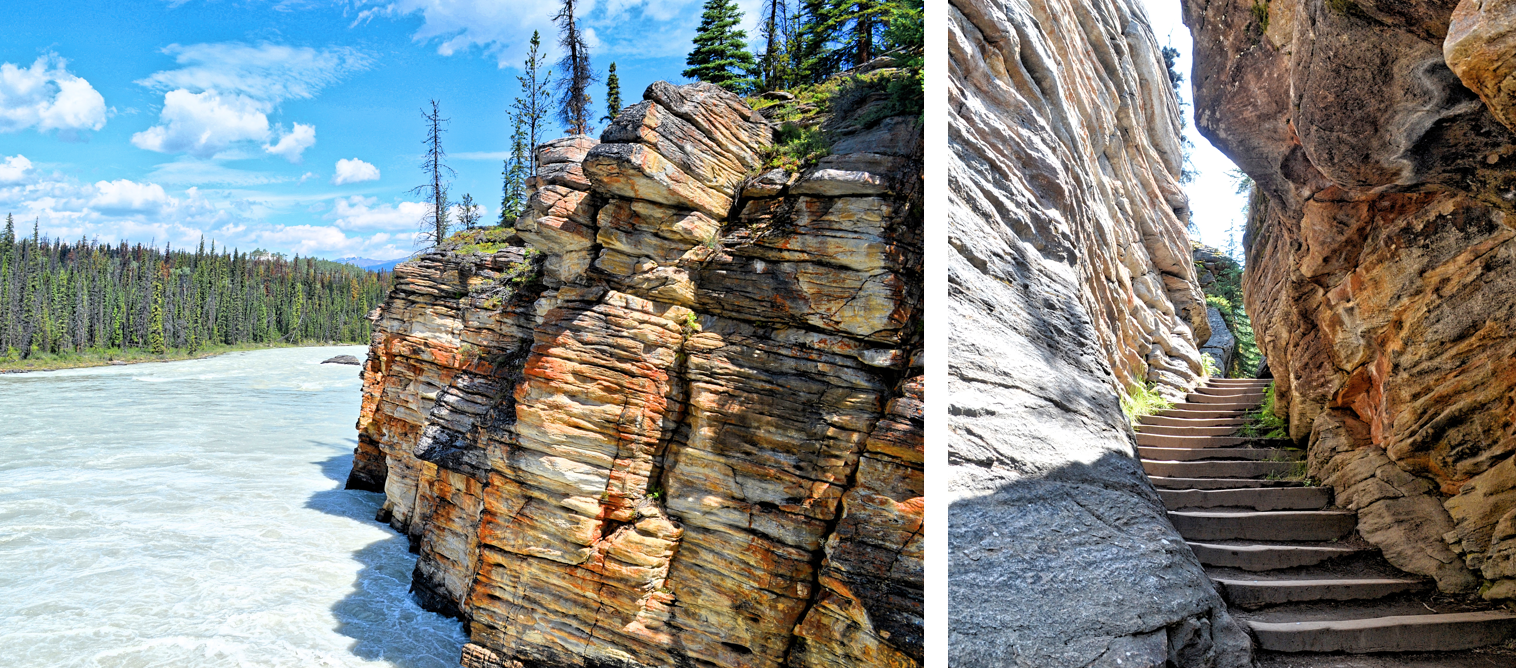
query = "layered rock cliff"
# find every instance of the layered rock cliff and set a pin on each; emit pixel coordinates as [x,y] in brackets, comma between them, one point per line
[1070,279]
[1381,256]
[680,425]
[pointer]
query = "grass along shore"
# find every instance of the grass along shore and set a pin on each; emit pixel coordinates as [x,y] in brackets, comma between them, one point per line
[103,357]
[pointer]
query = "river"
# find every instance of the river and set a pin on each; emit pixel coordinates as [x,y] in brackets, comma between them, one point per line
[192,514]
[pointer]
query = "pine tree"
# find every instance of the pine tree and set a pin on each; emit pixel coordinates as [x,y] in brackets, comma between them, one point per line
[720,55]
[612,94]
[514,174]
[469,212]
[837,34]
[435,225]
[155,323]
[778,32]
[531,108]
[573,88]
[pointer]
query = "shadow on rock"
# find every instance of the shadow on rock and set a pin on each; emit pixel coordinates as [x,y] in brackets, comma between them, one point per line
[380,614]
[1079,566]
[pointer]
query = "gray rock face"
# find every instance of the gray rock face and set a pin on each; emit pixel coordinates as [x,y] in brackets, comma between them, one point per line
[343,359]
[1222,344]
[1069,278]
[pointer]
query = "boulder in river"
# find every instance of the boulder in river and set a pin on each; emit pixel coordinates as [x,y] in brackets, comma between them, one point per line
[343,359]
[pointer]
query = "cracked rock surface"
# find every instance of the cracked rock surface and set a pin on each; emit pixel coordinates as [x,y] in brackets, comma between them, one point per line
[681,424]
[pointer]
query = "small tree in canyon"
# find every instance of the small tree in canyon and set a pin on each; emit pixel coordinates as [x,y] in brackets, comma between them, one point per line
[573,88]
[720,55]
[435,225]
[612,94]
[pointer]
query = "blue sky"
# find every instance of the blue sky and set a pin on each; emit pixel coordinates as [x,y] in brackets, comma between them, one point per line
[1217,209]
[289,125]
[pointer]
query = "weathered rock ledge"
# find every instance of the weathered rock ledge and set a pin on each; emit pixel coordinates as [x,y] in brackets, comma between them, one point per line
[681,424]
[1070,279]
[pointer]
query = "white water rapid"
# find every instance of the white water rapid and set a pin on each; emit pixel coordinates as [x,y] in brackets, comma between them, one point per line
[192,514]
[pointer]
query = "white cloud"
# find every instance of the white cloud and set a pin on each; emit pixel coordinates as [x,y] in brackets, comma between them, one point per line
[267,72]
[501,28]
[202,124]
[147,212]
[314,239]
[354,171]
[365,213]
[118,210]
[14,169]
[189,171]
[481,155]
[47,97]
[124,196]
[292,144]
[224,92]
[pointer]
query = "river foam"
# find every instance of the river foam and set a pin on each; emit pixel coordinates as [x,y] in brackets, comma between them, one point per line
[192,514]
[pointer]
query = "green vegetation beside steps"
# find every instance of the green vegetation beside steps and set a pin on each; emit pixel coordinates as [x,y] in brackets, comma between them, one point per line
[1141,401]
[10,363]
[1225,295]
[1262,422]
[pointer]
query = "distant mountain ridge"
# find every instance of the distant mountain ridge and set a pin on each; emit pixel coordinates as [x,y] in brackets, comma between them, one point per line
[371,264]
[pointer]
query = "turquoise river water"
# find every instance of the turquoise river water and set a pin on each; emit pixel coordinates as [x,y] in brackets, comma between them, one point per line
[192,514]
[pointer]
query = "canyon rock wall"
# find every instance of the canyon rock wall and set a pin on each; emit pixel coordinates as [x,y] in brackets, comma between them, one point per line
[681,424]
[1381,256]
[1070,278]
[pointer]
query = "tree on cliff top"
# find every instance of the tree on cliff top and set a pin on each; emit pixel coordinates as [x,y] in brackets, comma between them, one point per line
[469,213]
[720,55]
[574,100]
[514,174]
[838,34]
[612,94]
[778,32]
[531,107]
[434,225]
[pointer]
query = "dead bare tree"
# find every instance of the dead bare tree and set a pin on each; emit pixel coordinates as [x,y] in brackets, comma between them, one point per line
[434,225]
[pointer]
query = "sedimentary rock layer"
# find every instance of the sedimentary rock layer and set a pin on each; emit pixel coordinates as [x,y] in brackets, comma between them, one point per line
[681,425]
[1070,279]
[1381,258]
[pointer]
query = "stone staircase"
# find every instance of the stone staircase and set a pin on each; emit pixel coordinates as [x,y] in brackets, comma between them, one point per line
[1287,562]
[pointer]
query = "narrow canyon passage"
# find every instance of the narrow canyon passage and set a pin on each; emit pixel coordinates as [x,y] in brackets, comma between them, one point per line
[192,514]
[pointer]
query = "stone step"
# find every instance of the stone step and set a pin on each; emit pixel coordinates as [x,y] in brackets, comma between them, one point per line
[1163,430]
[1277,525]
[1195,454]
[1411,633]
[1163,482]
[1227,391]
[1250,382]
[1172,441]
[1215,469]
[1250,400]
[1267,498]
[1162,421]
[1204,411]
[1252,594]
[1167,441]
[1267,557]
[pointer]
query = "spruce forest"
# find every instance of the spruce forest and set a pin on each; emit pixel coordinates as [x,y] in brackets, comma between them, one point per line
[61,299]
